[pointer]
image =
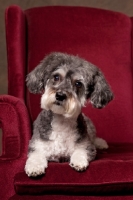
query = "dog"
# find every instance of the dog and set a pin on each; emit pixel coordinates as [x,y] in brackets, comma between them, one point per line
[61,131]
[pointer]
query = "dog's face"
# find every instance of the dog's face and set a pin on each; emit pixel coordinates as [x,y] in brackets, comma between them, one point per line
[64,92]
[67,82]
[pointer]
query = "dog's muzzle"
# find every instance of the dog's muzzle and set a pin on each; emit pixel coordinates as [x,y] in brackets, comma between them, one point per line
[60,96]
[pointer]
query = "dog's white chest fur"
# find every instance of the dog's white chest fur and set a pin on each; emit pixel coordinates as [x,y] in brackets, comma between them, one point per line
[63,136]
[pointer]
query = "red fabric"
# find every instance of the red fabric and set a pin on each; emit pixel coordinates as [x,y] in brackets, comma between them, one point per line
[110,173]
[16,51]
[101,37]
[15,125]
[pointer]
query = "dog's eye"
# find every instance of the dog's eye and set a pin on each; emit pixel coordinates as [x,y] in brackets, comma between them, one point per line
[78,84]
[56,77]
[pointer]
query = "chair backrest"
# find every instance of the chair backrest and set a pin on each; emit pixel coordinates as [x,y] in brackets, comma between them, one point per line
[101,37]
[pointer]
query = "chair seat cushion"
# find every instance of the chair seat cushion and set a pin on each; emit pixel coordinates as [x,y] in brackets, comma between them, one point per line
[111,172]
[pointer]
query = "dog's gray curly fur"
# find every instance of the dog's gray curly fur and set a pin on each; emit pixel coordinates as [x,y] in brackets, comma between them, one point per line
[61,130]
[96,87]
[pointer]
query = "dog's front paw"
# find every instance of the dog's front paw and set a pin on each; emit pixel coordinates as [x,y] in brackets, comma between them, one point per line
[35,168]
[34,171]
[79,161]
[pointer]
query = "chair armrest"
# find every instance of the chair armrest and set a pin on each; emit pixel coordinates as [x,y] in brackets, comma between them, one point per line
[16,128]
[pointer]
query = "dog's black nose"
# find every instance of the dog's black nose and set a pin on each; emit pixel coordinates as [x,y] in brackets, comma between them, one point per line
[60,96]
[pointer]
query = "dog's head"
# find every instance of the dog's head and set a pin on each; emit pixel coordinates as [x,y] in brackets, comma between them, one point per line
[68,82]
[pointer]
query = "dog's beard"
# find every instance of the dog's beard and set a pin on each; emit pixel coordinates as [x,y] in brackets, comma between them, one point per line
[69,108]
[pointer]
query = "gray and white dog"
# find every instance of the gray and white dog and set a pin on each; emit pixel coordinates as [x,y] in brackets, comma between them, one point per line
[61,130]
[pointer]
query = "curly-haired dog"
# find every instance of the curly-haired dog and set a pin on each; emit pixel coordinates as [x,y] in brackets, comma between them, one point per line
[61,130]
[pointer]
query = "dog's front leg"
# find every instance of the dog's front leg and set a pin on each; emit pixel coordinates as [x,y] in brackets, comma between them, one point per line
[35,165]
[36,162]
[81,157]
[79,160]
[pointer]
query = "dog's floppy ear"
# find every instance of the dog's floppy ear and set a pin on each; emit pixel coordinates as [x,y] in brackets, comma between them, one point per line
[37,78]
[99,91]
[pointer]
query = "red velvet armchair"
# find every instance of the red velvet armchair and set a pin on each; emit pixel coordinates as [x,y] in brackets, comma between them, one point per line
[101,37]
